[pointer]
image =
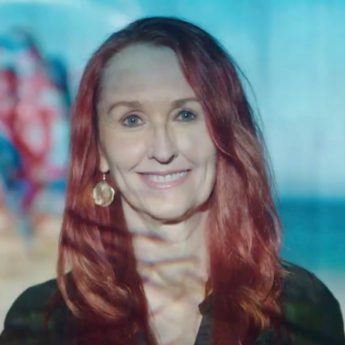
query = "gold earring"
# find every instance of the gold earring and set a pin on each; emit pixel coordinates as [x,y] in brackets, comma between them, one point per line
[103,193]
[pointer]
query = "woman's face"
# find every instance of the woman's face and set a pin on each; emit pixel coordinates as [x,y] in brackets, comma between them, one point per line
[153,134]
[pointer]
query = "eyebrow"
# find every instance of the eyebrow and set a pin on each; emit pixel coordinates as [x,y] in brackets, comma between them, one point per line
[136,104]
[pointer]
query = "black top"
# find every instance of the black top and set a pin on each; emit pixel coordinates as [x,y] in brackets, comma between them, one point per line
[311,312]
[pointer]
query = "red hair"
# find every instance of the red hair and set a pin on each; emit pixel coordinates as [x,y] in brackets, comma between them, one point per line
[244,230]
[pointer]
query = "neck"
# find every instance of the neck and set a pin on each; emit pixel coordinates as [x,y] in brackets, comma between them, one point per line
[172,261]
[170,255]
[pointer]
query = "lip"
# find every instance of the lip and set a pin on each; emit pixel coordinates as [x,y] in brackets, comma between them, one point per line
[162,173]
[164,185]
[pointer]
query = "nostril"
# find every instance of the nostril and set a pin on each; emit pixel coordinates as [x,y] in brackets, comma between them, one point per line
[163,144]
[164,159]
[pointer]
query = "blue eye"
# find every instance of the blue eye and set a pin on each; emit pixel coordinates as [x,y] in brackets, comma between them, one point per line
[132,121]
[186,115]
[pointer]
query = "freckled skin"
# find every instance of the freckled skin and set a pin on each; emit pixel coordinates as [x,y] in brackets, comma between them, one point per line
[151,133]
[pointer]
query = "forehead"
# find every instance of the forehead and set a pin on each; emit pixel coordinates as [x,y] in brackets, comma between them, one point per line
[144,69]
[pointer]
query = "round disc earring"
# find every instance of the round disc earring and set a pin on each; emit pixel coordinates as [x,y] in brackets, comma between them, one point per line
[103,193]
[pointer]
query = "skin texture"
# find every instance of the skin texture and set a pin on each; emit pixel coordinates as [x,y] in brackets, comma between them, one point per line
[151,121]
[160,138]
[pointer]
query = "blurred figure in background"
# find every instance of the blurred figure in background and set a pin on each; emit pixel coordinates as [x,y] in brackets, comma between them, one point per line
[33,125]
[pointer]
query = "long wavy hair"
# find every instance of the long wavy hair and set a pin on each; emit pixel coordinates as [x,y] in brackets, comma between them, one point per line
[103,285]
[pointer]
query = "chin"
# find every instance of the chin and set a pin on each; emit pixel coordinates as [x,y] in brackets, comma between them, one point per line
[173,214]
[169,215]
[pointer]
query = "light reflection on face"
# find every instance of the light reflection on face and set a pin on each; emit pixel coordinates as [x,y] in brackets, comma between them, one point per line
[153,134]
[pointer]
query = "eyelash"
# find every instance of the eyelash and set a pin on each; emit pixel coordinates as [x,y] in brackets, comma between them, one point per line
[189,112]
[128,117]
[125,123]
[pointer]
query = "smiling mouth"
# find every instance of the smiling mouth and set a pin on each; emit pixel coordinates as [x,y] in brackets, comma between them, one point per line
[164,180]
[167,177]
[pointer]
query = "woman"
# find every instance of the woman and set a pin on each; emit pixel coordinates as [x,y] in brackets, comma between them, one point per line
[170,234]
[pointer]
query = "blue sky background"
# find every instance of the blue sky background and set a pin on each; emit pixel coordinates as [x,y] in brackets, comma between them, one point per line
[292,52]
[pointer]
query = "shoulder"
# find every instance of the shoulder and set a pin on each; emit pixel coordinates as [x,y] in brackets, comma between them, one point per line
[39,312]
[311,312]
[300,284]
[35,297]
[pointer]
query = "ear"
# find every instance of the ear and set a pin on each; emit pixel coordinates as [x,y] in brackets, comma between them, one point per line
[103,162]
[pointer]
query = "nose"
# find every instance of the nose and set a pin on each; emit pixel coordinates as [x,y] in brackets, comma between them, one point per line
[163,148]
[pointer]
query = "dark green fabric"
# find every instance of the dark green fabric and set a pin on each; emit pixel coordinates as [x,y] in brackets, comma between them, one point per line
[312,316]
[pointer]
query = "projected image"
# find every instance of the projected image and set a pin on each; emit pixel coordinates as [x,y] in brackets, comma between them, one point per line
[291,65]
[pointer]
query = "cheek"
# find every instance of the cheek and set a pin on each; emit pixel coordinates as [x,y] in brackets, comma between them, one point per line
[123,152]
[197,146]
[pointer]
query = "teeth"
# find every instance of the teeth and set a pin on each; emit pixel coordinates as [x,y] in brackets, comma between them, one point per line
[167,178]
